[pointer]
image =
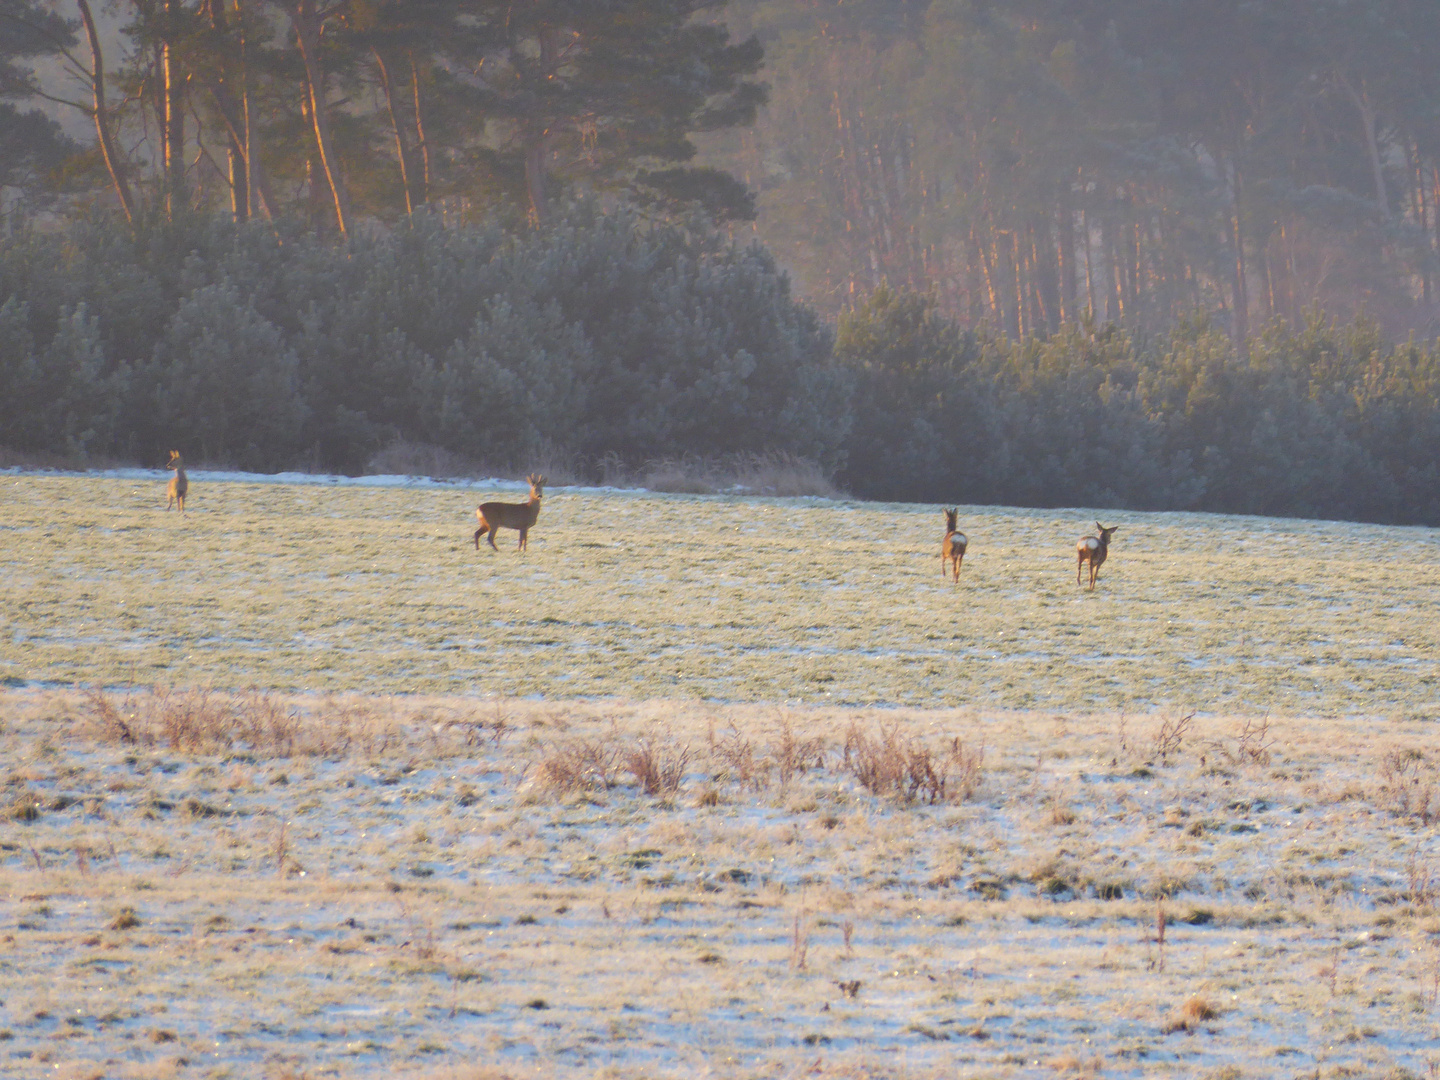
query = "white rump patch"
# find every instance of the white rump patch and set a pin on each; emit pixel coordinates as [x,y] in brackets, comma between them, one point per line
[1092,543]
[957,539]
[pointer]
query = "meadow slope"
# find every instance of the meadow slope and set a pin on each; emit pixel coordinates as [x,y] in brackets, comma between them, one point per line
[303,785]
[378,590]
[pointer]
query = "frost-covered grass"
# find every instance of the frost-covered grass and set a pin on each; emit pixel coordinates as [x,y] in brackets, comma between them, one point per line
[378,589]
[392,819]
[261,886]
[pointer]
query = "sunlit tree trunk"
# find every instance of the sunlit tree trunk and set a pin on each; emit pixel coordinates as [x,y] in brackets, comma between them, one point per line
[427,178]
[173,79]
[305,21]
[402,150]
[1089,266]
[1065,307]
[231,111]
[101,113]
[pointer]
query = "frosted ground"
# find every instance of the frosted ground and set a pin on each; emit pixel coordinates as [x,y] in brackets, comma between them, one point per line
[378,589]
[459,872]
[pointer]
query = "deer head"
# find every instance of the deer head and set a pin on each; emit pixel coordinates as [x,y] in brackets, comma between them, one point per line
[950,517]
[537,485]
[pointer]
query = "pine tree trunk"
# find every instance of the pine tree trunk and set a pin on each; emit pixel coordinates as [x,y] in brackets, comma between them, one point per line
[1089,268]
[1066,304]
[306,24]
[426,179]
[1240,294]
[535,179]
[986,268]
[1017,323]
[1115,301]
[402,151]
[1136,286]
[173,79]
[102,114]
[230,112]
[538,149]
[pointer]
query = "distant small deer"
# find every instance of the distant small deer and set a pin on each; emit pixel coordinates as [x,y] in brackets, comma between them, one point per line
[1093,548]
[179,483]
[498,515]
[953,549]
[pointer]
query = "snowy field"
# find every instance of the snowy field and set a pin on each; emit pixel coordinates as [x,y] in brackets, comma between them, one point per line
[358,887]
[377,588]
[624,805]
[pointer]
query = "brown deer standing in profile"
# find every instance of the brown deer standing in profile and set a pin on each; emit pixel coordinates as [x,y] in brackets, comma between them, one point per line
[1093,548]
[179,483]
[499,515]
[953,549]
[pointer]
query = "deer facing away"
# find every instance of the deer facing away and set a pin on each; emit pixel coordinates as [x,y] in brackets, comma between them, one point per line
[1094,549]
[179,483]
[953,549]
[499,515]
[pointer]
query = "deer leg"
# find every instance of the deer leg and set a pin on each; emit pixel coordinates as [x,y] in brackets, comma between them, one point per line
[958,560]
[524,539]
[1079,562]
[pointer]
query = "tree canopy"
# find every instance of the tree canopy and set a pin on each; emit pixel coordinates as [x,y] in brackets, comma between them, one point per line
[338,110]
[1031,162]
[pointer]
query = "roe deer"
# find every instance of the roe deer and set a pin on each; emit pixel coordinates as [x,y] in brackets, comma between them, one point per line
[953,549]
[1095,549]
[179,483]
[498,515]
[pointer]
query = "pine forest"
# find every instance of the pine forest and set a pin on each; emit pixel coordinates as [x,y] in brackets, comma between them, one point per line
[1124,253]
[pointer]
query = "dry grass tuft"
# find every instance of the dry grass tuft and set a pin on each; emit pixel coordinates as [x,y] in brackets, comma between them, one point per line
[1422,887]
[1060,812]
[24,808]
[1069,1063]
[263,724]
[1196,1011]
[1170,739]
[736,758]
[580,765]
[793,755]
[889,764]
[1408,786]
[1198,1008]
[658,767]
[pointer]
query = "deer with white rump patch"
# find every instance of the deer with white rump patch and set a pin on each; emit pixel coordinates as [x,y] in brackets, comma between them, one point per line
[1094,549]
[953,549]
[499,515]
[179,483]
